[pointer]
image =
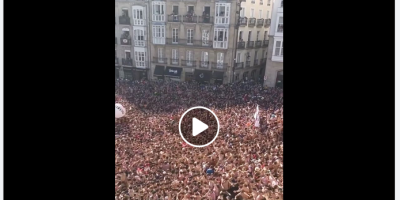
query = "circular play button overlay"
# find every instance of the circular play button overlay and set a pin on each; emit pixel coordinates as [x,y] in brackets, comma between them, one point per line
[199,126]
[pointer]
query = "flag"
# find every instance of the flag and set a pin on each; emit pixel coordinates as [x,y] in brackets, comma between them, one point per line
[257,118]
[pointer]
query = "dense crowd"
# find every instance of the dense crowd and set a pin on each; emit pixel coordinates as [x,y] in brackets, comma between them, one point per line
[153,162]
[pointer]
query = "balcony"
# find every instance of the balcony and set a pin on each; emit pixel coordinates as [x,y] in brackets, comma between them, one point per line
[258,43]
[239,65]
[265,43]
[248,63]
[241,45]
[174,18]
[204,64]
[243,21]
[139,43]
[250,44]
[267,22]
[127,61]
[126,41]
[205,19]
[159,60]
[174,61]
[252,21]
[188,63]
[124,20]
[219,66]
[189,18]
[260,22]
[116,60]
[116,40]
[196,43]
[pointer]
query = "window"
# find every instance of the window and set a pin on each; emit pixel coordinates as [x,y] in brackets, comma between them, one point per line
[253,1]
[189,36]
[255,58]
[160,55]
[240,36]
[222,11]
[128,54]
[260,14]
[175,10]
[242,12]
[190,9]
[140,59]
[261,2]
[158,11]
[175,36]
[278,51]
[252,13]
[158,34]
[174,56]
[125,12]
[262,55]
[265,35]
[204,59]
[189,58]
[269,2]
[280,25]
[205,38]
[249,36]
[140,36]
[238,58]
[139,15]
[258,34]
[220,38]
[220,60]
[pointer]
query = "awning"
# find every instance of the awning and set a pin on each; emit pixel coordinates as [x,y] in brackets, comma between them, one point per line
[202,75]
[173,71]
[159,70]
[218,75]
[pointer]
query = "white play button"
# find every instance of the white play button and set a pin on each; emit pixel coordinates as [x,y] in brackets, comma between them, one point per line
[198,126]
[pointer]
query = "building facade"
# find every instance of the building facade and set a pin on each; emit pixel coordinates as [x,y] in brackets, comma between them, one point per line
[252,40]
[274,67]
[131,43]
[192,40]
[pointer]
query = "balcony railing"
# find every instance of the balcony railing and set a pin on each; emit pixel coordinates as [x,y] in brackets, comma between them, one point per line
[116,60]
[173,61]
[252,21]
[250,44]
[124,20]
[188,63]
[189,18]
[219,65]
[159,60]
[258,43]
[239,65]
[197,43]
[267,22]
[174,18]
[127,61]
[265,43]
[243,21]
[248,63]
[126,41]
[260,22]
[241,45]
[205,19]
[204,64]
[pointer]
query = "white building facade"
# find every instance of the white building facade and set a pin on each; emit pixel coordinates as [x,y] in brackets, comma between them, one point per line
[274,67]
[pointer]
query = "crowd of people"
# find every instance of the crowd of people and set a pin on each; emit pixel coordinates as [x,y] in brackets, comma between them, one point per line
[153,162]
